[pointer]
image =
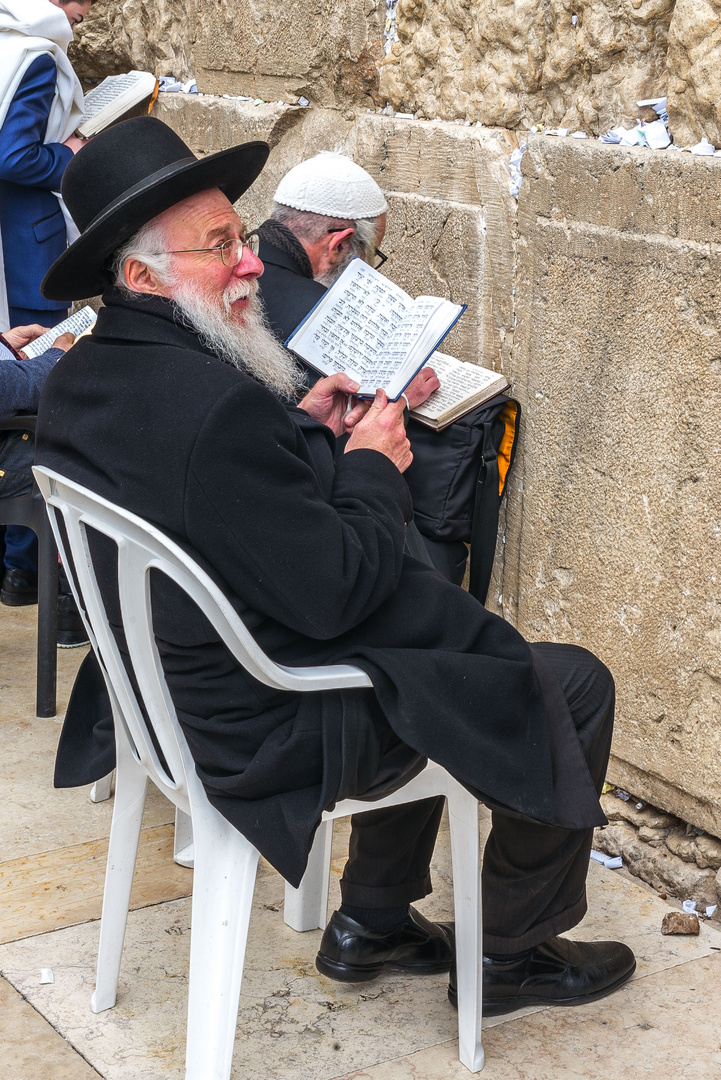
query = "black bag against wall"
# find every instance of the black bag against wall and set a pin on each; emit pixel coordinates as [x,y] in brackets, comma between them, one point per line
[458,477]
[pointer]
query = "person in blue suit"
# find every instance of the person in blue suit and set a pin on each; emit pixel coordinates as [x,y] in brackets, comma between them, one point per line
[37,141]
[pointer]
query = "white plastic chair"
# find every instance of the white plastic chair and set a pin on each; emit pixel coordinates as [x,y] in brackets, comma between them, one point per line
[225,862]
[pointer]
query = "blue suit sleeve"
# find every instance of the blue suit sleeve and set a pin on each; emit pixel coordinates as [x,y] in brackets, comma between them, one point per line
[24,157]
[22,380]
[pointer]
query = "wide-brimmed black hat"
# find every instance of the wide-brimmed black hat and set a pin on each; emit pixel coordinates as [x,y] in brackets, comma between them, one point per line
[123,178]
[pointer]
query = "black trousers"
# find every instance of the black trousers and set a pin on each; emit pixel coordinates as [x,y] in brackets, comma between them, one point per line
[534,875]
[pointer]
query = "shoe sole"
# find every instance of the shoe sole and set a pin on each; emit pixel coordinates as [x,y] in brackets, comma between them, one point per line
[333,969]
[18,599]
[501,1006]
[73,644]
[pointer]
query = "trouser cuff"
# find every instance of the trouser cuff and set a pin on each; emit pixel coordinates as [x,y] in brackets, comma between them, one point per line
[557,924]
[385,896]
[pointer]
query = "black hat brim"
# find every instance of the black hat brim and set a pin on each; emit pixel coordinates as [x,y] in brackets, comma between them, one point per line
[82,271]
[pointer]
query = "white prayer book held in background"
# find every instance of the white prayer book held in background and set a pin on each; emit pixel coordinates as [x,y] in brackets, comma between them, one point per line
[114,96]
[463,387]
[369,328]
[77,324]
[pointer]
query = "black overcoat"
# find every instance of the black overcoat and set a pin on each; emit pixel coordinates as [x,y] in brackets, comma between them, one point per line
[308,547]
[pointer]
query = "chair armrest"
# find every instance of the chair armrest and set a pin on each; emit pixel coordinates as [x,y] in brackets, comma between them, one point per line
[19,423]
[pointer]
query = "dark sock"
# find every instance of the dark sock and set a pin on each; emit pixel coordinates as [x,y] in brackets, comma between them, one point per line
[379,919]
[508,957]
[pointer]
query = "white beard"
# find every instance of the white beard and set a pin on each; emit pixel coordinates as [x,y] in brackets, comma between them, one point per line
[249,346]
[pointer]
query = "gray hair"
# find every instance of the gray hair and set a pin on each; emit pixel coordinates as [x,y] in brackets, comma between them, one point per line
[312,227]
[147,247]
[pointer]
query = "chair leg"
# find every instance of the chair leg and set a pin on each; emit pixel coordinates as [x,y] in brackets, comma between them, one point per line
[102,789]
[131,784]
[225,868]
[183,851]
[466,854]
[47,660]
[306,907]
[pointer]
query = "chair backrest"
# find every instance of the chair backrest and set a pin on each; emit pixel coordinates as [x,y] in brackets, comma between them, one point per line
[142,548]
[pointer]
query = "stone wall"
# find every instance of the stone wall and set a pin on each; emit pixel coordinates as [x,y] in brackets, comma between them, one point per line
[613,541]
[580,63]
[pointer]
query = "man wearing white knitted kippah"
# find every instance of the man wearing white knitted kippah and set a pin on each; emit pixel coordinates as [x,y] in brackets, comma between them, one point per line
[325,211]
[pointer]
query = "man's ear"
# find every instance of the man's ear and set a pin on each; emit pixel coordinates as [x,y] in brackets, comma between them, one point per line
[139,278]
[336,247]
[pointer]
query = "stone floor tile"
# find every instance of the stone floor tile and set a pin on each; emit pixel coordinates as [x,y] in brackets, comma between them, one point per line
[35,816]
[30,1049]
[18,637]
[666,1025]
[65,886]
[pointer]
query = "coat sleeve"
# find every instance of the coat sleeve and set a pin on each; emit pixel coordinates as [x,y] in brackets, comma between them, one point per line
[24,157]
[316,562]
[22,380]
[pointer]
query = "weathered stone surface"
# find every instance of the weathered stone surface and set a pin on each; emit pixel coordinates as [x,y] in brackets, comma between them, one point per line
[708,852]
[682,845]
[649,817]
[657,865]
[613,543]
[328,50]
[678,922]
[499,62]
[513,64]
[694,64]
[157,36]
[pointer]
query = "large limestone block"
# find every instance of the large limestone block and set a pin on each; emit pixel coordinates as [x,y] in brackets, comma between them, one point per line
[327,50]
[615,534]
[694,63]
[512,64]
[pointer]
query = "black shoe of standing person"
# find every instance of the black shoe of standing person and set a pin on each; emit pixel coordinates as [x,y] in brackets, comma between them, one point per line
[19,587]
[557,972]
[351,952]
[71,629]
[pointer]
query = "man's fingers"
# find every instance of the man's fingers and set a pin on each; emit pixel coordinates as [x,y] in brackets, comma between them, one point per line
[341,383]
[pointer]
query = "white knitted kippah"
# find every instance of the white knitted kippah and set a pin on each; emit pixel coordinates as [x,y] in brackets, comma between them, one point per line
[333,185]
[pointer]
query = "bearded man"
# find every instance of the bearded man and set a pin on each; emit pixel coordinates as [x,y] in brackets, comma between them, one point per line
[177,407]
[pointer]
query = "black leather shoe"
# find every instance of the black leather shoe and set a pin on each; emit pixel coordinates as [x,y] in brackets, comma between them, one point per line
[350,952]
[19,587]
[557,972]
[71,629]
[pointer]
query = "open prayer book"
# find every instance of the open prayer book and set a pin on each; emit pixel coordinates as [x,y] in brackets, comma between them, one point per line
[77,324]
[463,387]
[371,329]
[114,96]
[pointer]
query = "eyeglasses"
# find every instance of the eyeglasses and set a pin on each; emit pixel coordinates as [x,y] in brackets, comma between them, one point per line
[230,251]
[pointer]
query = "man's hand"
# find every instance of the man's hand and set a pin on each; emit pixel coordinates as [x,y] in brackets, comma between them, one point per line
[421,388]
[328,400]
[75,143]
[64,342]
[382,429]
[20,336]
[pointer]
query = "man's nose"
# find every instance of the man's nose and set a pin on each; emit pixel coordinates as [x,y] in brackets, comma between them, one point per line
[249,266]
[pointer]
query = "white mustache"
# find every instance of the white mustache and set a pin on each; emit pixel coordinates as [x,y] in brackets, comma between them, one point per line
[239,290]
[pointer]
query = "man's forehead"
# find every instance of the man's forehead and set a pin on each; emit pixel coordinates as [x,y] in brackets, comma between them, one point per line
[206,212]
